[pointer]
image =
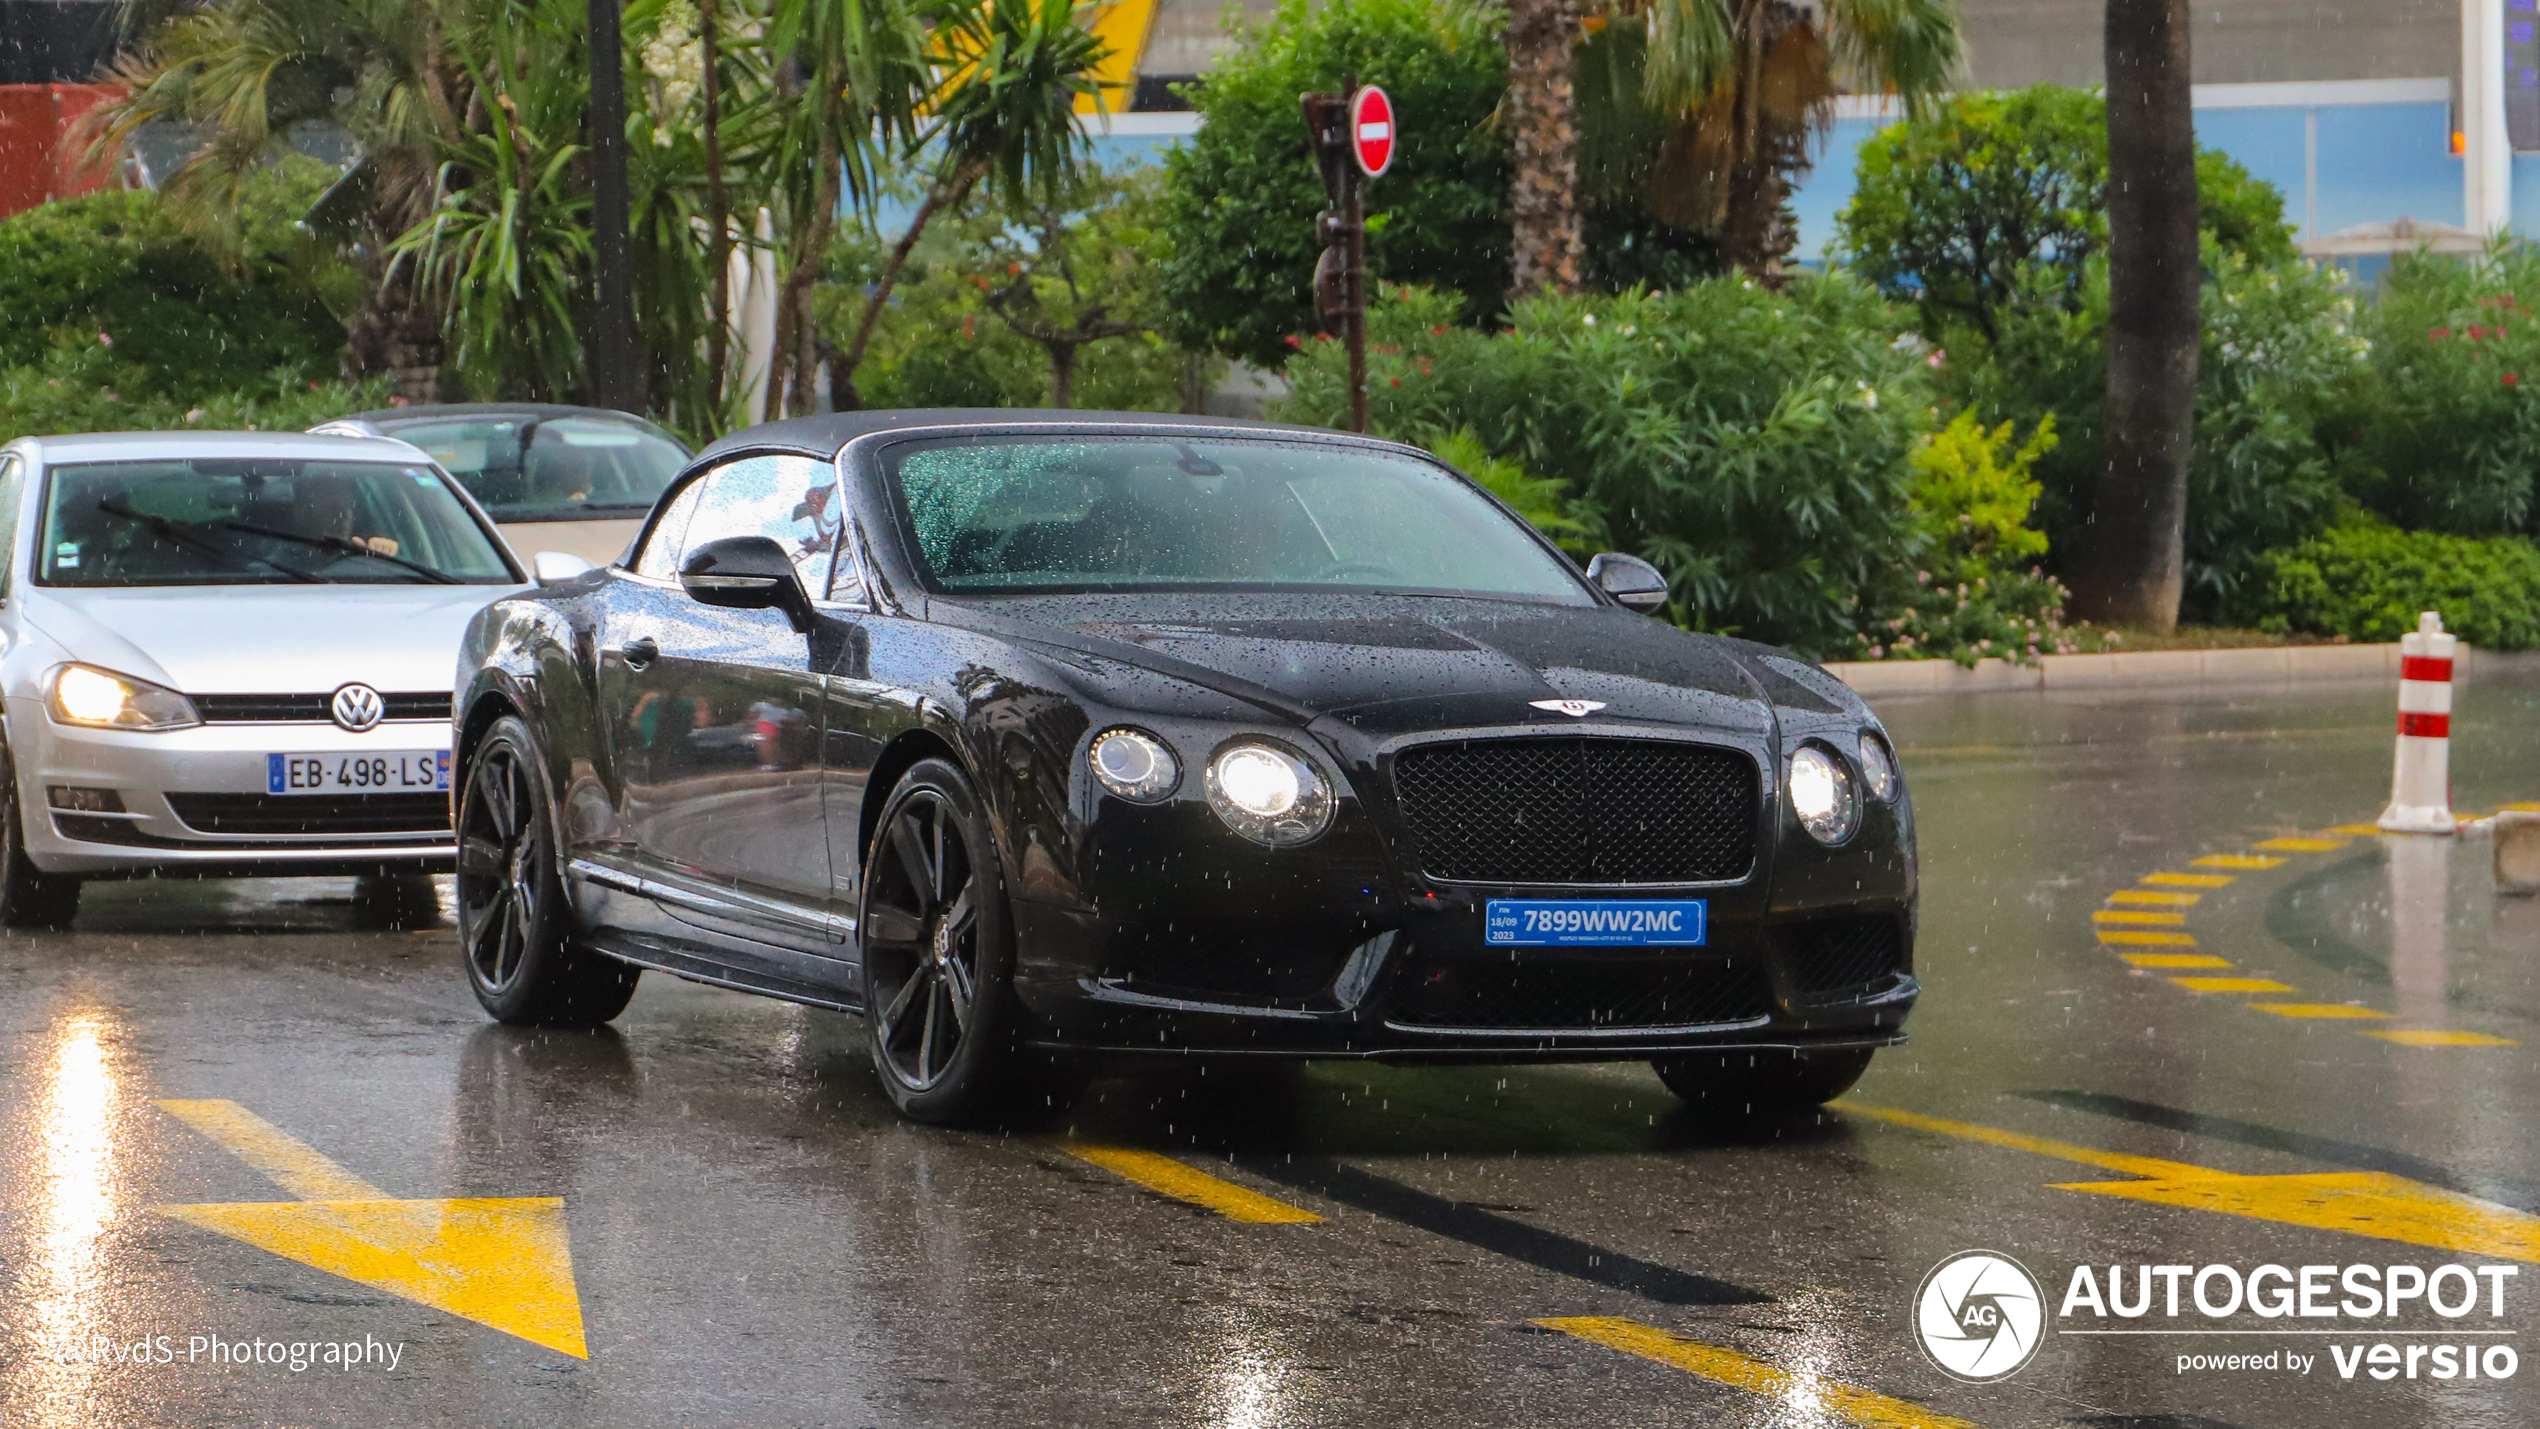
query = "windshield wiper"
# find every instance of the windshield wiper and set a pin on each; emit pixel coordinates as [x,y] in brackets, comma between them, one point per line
[180,534]
[344,544]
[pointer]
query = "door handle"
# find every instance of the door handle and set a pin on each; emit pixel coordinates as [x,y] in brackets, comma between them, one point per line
[640,652]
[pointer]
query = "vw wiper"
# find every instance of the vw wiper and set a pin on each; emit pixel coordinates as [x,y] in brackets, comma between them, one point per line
[181,535]
[344,544]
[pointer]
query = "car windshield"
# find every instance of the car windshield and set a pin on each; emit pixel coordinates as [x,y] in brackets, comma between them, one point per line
[1022,514]
[529,468]
[259,521]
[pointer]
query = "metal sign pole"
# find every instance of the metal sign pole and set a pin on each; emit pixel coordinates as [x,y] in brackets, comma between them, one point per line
[1354,234]
[1340,275]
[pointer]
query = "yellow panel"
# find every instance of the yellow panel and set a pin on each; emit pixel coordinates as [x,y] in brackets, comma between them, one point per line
[1804,1394]
[1172,1178]
[2143,898]
[1123,25]
[2236,860]
[2231,984]
[2147,940]
[2330,1010]
[2302,845]
[2429,1037]
[2175,960]
[2163,920]
[2187,880]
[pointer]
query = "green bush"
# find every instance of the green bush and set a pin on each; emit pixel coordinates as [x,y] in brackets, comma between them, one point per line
[1752,443]
[2367,581]
[1976,591]
[2446,435]
[118,272]
[77,390]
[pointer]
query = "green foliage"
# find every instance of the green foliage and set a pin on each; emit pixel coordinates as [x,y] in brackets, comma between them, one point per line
[82,390]
[1971,597]
[1993,200]
[1244,191]
[2446,436]
[1752,443]
[118,271]
[1543,500]
[2367,581]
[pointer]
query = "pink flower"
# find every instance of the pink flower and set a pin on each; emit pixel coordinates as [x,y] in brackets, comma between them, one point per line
[105,339]
[2512,381]
[2438,334]
[396,401]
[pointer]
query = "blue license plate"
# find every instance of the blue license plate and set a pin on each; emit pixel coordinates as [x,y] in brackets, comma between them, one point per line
[1595,923]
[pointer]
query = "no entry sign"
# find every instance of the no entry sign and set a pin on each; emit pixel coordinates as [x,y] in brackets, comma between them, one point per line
[1371,130]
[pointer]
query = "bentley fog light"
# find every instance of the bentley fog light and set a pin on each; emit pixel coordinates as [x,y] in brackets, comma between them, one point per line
[1821,794]
[1269,795]
[84,694]
[1878,768]
[1134,765]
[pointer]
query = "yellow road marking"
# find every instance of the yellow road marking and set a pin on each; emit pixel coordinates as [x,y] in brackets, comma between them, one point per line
[2324,1010]
[2517,808]
[2364,1203]
[266,1147]
[2175,960]
[2428,1037]
[2123,915]
[500,1261]
[2147,940]
[2253,861]
[2368,830]
[2301,845]
[2187,880]
[1796,1389]
[2143,899]
[2231,984]
[1172,1178]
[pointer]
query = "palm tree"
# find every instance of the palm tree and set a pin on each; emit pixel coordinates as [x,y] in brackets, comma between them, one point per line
[1729,94]
[1543,202]
[247,72]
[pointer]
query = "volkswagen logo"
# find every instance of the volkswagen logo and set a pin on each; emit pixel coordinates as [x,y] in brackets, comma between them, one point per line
[1980,1316]
[357,708]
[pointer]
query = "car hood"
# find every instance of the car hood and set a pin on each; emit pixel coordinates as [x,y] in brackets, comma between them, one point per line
[266,639]
[1391,665]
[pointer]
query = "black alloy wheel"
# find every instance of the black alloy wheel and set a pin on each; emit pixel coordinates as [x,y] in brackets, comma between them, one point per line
[513,928]
[29,897]
[937,950]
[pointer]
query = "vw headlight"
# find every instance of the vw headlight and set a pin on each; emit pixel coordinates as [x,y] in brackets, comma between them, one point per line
[86,695]
[1821,794]
[1878,768]
[1134,765]
[1269,795]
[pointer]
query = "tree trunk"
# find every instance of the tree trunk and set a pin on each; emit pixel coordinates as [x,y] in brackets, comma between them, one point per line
[1062,374]
[2133,549]
[718,209]
[945,195]
[1543,202]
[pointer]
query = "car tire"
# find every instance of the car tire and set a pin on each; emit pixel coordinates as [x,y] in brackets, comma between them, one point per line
[515,932]
[1763,1083]
[938,946]
[29,897]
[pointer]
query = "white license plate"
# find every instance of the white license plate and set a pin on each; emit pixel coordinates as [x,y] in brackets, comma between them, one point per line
[397,771]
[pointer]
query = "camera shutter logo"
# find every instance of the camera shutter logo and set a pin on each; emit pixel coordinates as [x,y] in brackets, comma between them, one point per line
[357,707]
[1980,1316]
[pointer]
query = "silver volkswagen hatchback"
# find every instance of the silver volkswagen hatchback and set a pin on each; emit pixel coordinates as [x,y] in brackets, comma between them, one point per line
[227,654]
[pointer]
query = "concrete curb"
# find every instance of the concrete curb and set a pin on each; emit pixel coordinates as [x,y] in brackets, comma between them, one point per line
[2275,665]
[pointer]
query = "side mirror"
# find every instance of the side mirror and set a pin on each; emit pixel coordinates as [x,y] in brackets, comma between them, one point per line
[557,567]
[1628,579]
[746,573]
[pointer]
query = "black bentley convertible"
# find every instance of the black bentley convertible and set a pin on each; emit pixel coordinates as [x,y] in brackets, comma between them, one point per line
[1034,738]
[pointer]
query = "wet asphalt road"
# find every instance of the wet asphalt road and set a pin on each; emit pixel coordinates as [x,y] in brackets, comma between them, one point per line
[755,1240]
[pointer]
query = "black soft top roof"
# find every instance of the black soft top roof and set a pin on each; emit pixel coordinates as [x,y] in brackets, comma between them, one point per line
[823,435]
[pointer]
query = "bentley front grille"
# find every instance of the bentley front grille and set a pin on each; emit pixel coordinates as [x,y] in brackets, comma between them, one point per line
[1578,810]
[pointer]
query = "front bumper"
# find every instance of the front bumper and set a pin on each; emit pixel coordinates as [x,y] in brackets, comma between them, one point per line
[217,773]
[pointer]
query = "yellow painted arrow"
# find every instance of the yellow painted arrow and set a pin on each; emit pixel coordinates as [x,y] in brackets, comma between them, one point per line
[499,1261]
[2366,1203]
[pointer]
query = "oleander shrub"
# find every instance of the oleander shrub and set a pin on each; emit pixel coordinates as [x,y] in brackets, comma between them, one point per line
[80,390]
[1977,590]
[2367,581]
[2446,436]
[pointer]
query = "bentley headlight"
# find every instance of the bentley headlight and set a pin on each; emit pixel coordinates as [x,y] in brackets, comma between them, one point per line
[84,694]
[1134,765]
[1821,794]
[1878,768]
[1269,795]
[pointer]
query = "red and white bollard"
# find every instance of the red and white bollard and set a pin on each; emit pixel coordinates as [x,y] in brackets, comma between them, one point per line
[2421,775]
